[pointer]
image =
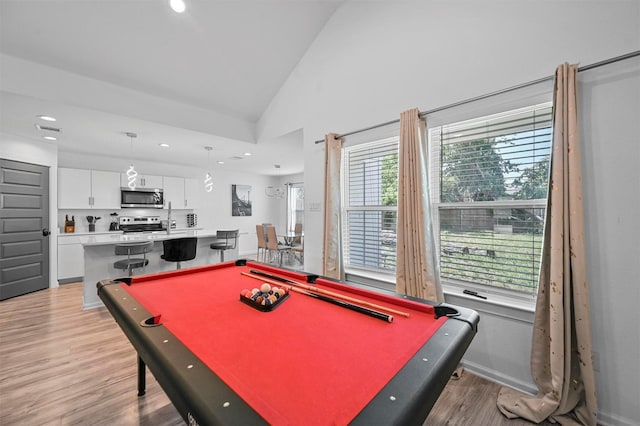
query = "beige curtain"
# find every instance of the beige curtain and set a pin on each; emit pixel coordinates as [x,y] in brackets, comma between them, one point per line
[416,264]
[561,363]
[332,248]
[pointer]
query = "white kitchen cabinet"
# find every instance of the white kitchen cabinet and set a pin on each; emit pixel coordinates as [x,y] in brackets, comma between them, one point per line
[174,189]
[193,193]
[142,181]
[105,191]
[70,259]
[74,189]
[87,189]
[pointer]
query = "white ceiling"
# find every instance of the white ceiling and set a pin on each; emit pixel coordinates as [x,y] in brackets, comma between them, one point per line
[209,73]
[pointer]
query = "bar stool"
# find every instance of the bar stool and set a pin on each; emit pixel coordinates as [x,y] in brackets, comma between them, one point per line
[132,249]
[225,240]
[179,250]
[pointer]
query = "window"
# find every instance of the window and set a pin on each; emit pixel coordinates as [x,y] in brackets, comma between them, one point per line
[295,205]
[489,187]
[370,182]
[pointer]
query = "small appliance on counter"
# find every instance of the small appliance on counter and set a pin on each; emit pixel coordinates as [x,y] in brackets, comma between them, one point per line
[114,225]
[69,225]
[92,222]
[192,220]
[140,224]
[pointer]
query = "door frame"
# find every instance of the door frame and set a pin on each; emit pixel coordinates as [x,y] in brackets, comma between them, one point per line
[17,148]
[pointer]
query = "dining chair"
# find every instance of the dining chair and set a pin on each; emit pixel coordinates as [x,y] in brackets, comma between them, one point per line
[297,239]
[273,246]
[262,242]
[298,250]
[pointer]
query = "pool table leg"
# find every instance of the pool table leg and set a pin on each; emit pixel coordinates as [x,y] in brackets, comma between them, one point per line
[142,379]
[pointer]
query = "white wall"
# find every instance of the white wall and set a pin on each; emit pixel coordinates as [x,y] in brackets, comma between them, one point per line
[609,116]
[44,154]
[375,59]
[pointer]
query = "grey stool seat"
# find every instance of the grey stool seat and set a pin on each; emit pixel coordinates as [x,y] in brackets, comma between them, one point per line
[132,249]
[179,249]
[225,240]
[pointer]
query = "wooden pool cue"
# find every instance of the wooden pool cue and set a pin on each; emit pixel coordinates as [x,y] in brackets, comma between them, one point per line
[330,293]
[342,303]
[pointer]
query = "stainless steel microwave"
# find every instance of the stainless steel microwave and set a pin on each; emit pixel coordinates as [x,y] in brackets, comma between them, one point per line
[141,198]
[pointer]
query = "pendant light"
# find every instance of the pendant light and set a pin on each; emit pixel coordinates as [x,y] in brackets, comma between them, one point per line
[208,178]
[131,172]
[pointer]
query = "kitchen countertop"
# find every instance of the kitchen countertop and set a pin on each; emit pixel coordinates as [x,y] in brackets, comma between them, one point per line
[116,238]
[82,234]
[99,256]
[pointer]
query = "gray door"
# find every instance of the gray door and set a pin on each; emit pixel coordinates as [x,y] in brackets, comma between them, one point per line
[24,219]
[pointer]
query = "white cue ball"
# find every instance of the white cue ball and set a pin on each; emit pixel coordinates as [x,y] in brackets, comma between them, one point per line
[265,288]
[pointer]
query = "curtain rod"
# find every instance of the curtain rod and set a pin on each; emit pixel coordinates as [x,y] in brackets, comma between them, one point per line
[499,92]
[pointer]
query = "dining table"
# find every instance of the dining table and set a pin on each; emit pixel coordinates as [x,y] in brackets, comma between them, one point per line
[289,237]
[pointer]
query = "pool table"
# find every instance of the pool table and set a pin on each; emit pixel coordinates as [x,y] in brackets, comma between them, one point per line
[303,361]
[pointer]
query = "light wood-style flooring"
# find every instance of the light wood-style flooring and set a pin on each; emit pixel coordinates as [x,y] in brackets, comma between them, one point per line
[60,365]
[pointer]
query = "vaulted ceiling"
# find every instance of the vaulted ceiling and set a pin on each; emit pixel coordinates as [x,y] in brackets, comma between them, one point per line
[200,78]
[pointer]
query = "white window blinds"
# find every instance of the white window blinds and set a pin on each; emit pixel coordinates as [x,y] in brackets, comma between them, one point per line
[370,173]
[489,188]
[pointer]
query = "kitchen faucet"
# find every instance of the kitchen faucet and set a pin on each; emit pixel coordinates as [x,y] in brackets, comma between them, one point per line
[169,220]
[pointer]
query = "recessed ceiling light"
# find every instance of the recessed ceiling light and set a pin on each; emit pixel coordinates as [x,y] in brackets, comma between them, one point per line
[49,138]
[163,145]
[46,117]
[220,162]
[247,154]
[178,6]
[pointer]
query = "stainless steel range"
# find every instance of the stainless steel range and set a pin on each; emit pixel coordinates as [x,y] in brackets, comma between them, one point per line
[140,224]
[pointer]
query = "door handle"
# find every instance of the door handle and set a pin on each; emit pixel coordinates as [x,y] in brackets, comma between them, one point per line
[45,232]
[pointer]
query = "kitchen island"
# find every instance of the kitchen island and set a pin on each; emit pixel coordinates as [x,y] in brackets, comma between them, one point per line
[99,256]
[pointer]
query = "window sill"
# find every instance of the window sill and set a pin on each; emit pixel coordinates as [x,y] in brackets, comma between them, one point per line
[525,305]
[521,308]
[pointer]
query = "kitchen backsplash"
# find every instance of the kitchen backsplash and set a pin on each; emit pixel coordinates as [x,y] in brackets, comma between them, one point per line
[102,224]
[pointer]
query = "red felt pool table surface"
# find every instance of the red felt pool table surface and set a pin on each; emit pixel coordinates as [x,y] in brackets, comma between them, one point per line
[306,362]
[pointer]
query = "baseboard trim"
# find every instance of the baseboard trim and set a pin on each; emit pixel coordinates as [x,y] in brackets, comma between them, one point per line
[607,419]
[70,280]
[87,306]
[604,419]
[500,378]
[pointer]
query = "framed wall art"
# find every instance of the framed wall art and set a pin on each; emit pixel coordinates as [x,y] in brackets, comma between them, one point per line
[240,200]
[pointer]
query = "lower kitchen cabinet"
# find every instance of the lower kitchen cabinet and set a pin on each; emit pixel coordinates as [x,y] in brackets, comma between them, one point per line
[70,259]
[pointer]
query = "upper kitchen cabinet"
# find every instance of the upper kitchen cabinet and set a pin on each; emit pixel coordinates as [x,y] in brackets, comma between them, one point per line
[193,193]
[183,193]
[174,192]
[88,189]
[142,181]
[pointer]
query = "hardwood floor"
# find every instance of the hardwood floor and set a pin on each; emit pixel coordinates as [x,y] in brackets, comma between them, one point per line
[470,400]
[60,365]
